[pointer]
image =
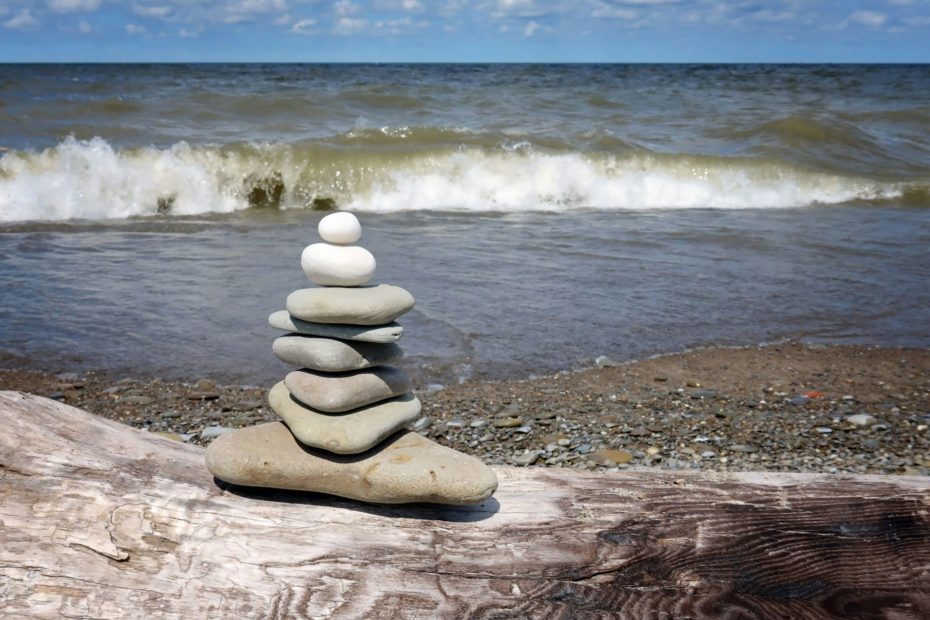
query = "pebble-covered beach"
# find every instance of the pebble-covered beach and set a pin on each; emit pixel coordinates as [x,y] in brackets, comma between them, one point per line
[785,407]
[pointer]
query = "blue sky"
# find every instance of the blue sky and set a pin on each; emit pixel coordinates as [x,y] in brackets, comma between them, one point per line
[465,31]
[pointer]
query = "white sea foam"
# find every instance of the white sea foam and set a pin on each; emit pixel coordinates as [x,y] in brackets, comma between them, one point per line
[92,180]
[534,181]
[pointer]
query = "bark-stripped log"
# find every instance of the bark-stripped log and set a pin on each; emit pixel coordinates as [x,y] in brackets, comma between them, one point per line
[98,520]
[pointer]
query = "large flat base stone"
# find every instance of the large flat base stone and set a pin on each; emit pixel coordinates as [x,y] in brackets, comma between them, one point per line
[405,468]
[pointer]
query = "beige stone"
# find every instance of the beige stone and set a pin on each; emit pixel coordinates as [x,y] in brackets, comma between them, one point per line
[343,433]
[610,457]
[337,392]
[330,355]
[366,305]
[375,333]
[406,468]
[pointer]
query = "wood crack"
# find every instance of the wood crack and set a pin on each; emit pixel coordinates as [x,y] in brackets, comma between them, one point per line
[119,555]
[6,469]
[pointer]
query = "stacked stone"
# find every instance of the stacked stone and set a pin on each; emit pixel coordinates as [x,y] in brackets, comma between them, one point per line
[345,409]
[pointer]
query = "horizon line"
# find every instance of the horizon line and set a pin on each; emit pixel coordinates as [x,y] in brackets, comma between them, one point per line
[463,62]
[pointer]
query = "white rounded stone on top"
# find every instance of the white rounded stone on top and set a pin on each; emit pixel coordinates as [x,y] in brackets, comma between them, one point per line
[341,228]
[337,265]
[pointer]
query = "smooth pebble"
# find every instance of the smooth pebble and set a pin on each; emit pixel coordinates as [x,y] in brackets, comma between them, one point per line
[347,433]
[331,355]
[378,333]
[337,265]
[369,305]
[340,228]
[346,390]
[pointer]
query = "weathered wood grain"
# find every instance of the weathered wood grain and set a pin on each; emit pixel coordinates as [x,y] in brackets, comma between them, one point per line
[98,520]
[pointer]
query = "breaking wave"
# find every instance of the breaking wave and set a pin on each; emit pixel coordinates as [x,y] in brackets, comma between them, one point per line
[90,179]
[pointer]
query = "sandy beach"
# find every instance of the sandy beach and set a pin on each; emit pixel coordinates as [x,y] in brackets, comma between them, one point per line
[782,407]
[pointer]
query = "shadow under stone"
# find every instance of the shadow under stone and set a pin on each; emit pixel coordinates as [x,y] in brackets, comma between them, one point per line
[437,512]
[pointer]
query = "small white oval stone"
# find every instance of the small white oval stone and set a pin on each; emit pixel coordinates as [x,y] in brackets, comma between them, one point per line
[340,228]
[337,265]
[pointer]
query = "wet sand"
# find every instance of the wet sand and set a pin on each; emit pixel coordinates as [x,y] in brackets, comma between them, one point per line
[784,407]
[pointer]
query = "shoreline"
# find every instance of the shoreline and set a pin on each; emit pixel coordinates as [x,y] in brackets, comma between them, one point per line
[775,407]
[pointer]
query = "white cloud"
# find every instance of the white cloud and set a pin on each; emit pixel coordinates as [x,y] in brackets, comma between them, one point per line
[510,5]
[533,27]
[246,10]
[400,26]
[345,8]
[521,8]
[135,29]
[258,6]
[84,27]
[304,26]
[713,13]
[24,20]
[872,19]
[349,25]
[767,15]
[185,33]
[74,6]
[604,10]
[452,7]
[398,5]
[161,11]
[284,20]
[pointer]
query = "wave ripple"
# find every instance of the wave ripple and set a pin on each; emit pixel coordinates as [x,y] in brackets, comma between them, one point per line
[91,179]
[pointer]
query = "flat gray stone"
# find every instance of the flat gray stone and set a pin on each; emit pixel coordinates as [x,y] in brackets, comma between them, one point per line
[861,419]
[343,433]
[527,458]
[282,319]
[331,355]
[336,392]
[406,468]
[422,424]
[364,305]
[214,431]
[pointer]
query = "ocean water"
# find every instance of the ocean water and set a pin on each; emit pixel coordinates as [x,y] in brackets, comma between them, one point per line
[151,216]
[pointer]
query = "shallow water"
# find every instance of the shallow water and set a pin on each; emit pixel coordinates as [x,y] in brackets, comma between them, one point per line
[498,295]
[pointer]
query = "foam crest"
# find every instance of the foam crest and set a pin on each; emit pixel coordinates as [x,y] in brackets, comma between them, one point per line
[92,180]
[523,180]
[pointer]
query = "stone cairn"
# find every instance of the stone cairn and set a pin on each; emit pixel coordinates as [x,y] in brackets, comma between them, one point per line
[345,411]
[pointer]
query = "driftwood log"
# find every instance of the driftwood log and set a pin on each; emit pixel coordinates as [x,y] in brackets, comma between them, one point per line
[98,520]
